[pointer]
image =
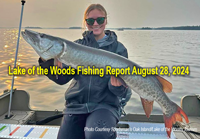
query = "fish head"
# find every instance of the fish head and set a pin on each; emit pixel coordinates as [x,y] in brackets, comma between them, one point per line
[46,46]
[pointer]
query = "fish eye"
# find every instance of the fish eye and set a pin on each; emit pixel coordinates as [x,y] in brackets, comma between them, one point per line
[41,35]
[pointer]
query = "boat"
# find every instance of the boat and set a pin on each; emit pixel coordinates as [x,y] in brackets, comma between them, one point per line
[26,123]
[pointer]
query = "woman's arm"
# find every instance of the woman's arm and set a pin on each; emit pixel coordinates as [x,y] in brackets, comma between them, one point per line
[59,79]
[114,85]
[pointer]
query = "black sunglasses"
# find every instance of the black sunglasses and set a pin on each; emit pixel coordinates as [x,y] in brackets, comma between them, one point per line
[90,21]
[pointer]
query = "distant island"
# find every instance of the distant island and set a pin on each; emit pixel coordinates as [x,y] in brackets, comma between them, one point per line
[124,28]
[75,27]
[34,27]
[160,28]
[172,28]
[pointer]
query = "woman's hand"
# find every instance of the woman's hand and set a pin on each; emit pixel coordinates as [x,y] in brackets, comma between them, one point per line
[115,82]
[56,62]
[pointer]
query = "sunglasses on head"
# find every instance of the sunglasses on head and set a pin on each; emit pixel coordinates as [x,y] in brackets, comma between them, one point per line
[90,21]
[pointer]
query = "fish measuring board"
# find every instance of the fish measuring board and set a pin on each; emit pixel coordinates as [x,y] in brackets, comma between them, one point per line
[46,132]
[28,131]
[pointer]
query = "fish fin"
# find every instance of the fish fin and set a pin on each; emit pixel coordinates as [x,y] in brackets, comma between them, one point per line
[57,63]
[167,86]
[147,106]
[60,64]
[122,81]
[169,121]
[57,60]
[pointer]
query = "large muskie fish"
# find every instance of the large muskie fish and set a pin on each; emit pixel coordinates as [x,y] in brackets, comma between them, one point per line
[151,88]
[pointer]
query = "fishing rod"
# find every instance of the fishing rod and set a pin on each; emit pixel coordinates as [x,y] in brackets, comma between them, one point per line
[10,103]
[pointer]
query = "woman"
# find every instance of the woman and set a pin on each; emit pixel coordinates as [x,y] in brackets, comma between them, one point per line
[92,103]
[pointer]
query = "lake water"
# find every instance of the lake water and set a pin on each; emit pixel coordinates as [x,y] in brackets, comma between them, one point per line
[146,48]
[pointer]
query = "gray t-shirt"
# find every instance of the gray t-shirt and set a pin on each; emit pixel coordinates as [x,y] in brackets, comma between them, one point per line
[102,41]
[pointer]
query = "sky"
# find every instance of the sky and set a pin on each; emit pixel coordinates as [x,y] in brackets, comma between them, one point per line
[121,13]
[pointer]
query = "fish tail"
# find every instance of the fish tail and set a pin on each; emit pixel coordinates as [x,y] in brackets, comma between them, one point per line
[177,116]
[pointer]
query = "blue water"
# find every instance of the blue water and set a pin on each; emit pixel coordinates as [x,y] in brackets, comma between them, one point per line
[146,48]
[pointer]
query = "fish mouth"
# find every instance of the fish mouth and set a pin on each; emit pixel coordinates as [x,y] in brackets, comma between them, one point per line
[24,35]
[32,36]
[29,36]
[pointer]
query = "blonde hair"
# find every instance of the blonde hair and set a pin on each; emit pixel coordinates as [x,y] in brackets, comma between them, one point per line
[89,9]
